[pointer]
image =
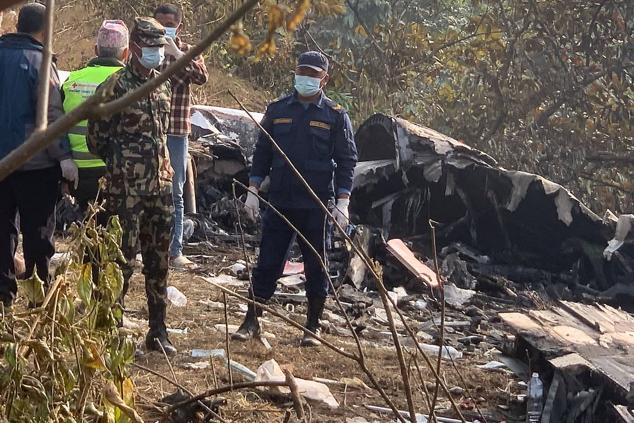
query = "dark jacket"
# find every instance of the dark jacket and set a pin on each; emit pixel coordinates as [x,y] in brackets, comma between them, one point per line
[20,60]
[318,139]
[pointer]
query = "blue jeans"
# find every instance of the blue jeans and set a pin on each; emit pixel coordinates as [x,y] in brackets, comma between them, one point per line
[177,146]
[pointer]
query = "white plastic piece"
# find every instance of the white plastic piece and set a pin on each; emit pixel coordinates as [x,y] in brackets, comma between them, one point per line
[448,352]
[177,298]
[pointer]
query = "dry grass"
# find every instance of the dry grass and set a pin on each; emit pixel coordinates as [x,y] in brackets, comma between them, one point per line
[200,319]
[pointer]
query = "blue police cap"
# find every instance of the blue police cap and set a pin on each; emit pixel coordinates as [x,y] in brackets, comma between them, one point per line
[314,60]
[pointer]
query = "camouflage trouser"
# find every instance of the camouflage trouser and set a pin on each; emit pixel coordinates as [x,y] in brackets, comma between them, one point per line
[146,222]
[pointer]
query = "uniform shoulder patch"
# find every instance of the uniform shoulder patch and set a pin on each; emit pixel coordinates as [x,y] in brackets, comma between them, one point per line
[334,105]
[282,97]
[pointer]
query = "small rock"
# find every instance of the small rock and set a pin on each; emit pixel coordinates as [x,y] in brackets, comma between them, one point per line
[473,311]
[424,336]
[472,339]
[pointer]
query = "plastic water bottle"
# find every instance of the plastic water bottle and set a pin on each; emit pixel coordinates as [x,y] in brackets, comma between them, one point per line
[176,297]
[534,400]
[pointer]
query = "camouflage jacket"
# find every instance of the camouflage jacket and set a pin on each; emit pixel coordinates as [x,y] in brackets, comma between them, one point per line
[133,142]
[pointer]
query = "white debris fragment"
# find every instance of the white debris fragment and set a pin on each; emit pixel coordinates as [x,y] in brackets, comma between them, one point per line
[243,370]
[200,353]
[200,365]
[225,280]
[493,365]
[623,227]
[457,297]
[177,298]
[448,352]
[238,268]
[178,331]
[316,391]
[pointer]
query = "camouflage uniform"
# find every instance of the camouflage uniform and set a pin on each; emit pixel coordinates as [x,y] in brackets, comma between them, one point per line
[133,144]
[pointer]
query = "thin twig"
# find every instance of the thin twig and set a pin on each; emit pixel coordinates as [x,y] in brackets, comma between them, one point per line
[223,389]
[227,346]
[169,363]
[213,371]
[360,359]
[179,386]
[326,343]
[431,412]
[322,263]
[5,4]
[44,77]
[441,287]
[367,261]
[297,400]
[246,258]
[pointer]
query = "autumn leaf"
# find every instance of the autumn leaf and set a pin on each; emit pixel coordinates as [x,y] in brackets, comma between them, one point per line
[32,288]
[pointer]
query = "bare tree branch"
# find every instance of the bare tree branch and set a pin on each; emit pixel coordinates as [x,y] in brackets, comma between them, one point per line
[5,4]
[94,107]
[604,156]
[44,81]
[222,390]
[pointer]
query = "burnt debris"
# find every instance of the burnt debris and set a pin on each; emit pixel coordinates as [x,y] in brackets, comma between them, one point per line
[518,226]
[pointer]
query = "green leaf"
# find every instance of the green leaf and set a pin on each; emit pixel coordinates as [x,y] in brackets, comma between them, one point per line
[32,288]
[114,228]
[10,355]
[85,284]
[113,280]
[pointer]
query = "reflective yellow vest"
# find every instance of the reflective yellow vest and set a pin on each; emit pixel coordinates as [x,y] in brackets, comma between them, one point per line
[80,85]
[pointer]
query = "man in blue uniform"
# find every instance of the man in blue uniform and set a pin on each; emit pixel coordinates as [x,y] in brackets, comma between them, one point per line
[316,134]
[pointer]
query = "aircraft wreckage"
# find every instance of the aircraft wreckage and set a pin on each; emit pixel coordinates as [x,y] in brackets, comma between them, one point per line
[491,223]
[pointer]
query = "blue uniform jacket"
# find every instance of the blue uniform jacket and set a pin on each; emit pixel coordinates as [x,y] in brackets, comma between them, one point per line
[20,61]
[318,139]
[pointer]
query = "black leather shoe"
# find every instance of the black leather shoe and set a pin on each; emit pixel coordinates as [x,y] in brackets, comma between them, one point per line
[154,342]
[315,308]
[250,327]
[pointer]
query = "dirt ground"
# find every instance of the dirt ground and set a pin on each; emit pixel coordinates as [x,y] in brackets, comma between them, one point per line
[198,318]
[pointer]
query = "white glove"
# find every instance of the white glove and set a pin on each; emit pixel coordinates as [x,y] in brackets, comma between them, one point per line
[69,171]
[252,204]
[171,49]
[341,213]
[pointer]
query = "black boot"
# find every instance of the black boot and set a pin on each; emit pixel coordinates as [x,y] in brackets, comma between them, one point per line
[250,328]
[315,308]
[157,335]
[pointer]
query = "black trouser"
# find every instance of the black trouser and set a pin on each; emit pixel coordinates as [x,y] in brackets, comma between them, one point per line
[277,239]
[88,185]
[31,194]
